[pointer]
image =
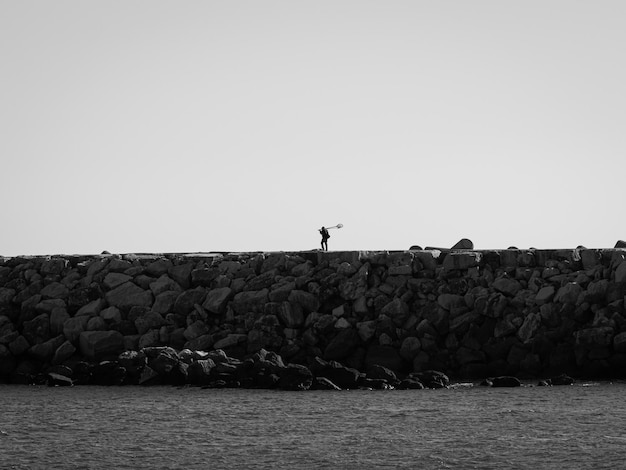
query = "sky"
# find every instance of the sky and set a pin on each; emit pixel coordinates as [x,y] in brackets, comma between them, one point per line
[199,126]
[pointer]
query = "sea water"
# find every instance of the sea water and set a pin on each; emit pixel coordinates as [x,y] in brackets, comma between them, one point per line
[90,427]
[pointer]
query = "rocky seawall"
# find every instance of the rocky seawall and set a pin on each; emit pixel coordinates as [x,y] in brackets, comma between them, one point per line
[313,319]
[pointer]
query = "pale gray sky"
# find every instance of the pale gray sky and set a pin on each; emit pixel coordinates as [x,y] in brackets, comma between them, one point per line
[180,126]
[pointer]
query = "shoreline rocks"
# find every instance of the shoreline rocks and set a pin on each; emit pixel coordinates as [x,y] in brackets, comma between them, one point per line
[314,319]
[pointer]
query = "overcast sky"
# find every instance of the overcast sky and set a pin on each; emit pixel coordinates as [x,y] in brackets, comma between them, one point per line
[184,126]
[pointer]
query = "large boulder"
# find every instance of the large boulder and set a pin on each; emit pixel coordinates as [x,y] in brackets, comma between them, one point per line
[44,351]
[37,330]
[187,300]
[397,310]
[217,299]
[295,377]
[129,295]
[342,345]
[97,345]
[343,377]
[199,372]
[73,327]
[149,321]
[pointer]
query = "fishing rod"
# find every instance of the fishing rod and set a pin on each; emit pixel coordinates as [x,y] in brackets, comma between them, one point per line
[335,226]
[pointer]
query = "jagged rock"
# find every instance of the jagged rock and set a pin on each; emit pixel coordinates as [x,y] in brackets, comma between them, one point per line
[91,309]
[63,352]
[601,336]
[128,295]
[201,343]
[217,299]
[108,373]
[58,317]
[95,324]
[431,378]
[507,286]
[247,301]
[44,351]
[19,346]
[323,383]
[149,321]
[199,372]
[58,380]
[133,361]
[291,315]
[151,338]
[410,383]
[53,266]
[620,273]
[37,330]
[562,379]
[569,293]
[96,345]
[545,295]
[295,377]
[343,377]
[397,310]
[461,260]
[308,301]
[230,341]
[383,373]
[164,302]
[164,284]
[504,381]
[410,347]
[463,244]
[55,290]
[113,280]
[342,345]
[48,305]
[529,327]
[73,327]
[111,315]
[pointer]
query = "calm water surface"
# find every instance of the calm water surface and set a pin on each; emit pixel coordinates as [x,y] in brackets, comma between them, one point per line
[187,428]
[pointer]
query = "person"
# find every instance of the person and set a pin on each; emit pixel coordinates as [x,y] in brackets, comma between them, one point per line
[325,237]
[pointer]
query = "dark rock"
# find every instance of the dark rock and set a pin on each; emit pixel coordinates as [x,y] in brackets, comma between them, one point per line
[374,384]
[410,383]
[431,378]
[342,345]
[133,361]
[108,373]
[505,381]
[344,377]
[58,380]
[385,356]
[295,377]
[129,295]
[199,372]
[463,244]
[96,345]
[37,330]
[562,379]
[322,383]
[378,372]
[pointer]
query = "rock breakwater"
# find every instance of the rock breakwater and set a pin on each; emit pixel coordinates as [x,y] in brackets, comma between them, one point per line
[313,319]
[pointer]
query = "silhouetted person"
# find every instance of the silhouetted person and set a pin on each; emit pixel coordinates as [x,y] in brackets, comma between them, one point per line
[325,237]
